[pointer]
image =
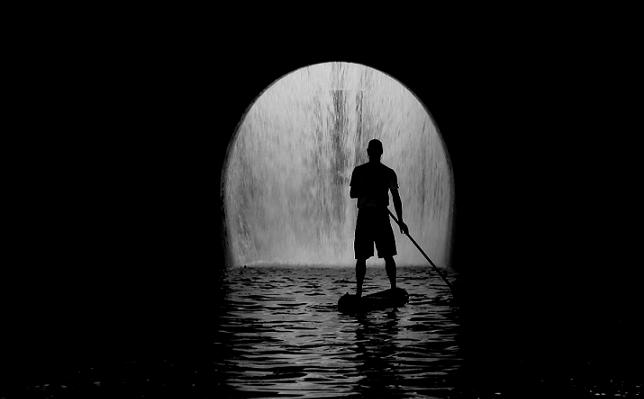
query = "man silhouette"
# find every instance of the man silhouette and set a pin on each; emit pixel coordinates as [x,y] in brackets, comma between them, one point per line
[370,184]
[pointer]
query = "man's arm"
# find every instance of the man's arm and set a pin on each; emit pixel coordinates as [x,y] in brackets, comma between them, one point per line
[398,207]
[354,193]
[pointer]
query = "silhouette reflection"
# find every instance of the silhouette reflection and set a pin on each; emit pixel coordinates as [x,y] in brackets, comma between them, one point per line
[375,342]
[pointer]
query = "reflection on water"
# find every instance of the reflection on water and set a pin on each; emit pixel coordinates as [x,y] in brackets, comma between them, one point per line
[281,334]
[278,334]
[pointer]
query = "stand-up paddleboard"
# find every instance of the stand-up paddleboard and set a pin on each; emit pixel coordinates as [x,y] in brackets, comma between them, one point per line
[349,303]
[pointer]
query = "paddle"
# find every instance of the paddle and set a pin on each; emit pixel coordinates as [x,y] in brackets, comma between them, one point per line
[424,254]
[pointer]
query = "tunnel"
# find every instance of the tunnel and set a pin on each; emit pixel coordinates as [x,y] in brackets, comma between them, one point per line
[285,179]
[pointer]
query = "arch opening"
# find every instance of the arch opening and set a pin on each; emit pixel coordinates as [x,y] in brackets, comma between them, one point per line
[285,180]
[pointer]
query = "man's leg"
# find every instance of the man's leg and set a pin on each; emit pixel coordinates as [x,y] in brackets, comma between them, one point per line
[390,266]
[361,270]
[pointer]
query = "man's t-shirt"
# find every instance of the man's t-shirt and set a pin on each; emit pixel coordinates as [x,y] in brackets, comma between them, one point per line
[372,182]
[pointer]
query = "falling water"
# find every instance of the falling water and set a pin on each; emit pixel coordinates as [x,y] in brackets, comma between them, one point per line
[286,179]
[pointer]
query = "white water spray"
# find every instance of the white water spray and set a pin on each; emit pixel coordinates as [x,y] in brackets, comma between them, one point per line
[286,178]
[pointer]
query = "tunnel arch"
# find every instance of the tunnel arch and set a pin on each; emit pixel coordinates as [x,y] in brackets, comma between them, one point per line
[284,181]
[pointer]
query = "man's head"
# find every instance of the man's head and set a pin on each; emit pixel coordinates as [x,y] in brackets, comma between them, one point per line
[374,149]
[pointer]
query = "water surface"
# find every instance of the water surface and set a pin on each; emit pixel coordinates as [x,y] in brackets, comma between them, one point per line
[281,335]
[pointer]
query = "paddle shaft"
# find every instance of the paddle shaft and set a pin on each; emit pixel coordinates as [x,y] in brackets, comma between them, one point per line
[424,254]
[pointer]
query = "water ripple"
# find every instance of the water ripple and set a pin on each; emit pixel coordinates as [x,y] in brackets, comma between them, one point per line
[284,336]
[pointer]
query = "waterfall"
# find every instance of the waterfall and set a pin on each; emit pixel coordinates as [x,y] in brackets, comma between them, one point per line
[285,182]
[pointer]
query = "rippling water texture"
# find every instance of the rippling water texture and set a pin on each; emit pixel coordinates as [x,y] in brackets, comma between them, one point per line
[281,335]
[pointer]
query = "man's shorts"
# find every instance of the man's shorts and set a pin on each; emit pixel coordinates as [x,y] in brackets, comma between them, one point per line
[373,225]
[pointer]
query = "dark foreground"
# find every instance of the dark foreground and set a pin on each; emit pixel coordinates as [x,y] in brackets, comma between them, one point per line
[277,332]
